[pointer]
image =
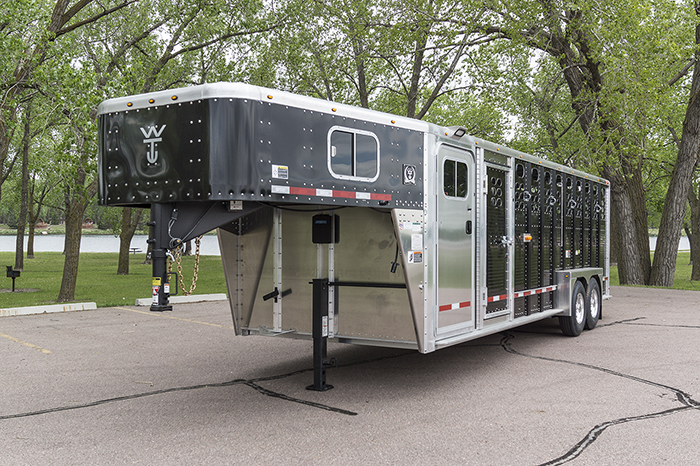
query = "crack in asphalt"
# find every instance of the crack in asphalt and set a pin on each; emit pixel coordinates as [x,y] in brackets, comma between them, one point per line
[684,398]
[252,383]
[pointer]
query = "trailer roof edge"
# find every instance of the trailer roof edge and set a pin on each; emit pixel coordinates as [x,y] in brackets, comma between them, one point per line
[517,155]
[224,90]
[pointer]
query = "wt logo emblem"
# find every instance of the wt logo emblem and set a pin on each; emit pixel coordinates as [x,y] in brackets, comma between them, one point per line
[152,135]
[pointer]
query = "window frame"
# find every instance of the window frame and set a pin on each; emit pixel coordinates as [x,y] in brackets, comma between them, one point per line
[354,132]
[466,179]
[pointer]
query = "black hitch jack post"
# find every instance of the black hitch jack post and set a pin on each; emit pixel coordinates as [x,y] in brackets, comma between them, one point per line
[320,335]
[160,215]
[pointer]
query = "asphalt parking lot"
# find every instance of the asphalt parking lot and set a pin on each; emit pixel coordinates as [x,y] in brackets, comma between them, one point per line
[125,386]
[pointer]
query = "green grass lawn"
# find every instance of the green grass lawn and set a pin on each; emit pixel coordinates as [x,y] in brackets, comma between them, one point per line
[98,280]
[682,277]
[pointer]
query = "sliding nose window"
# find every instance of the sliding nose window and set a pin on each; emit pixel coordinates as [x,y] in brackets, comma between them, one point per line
[353,154]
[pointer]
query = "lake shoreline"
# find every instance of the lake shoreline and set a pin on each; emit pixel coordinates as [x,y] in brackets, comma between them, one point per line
[100,243]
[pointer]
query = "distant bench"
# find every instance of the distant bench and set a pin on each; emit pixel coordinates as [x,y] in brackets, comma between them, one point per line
[134,250]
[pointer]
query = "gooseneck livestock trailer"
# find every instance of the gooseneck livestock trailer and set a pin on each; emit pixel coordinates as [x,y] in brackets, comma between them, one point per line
[341,223]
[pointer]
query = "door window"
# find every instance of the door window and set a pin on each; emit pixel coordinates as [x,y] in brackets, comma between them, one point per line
[454,178]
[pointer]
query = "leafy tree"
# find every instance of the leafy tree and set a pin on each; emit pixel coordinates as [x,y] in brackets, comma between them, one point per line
[392,56]
[614,63]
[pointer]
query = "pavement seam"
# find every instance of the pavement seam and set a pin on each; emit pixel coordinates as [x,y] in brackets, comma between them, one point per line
[592,435]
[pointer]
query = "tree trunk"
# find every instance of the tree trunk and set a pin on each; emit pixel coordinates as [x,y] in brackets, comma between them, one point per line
[21,223]
[629,265]
[418,56]
[129,226]
[637,196]
[694,234]
[32,225]
[77,198]
[664,267]
[71,249]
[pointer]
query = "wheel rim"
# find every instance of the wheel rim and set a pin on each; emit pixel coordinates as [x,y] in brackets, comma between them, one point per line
[594,304]
[580,308]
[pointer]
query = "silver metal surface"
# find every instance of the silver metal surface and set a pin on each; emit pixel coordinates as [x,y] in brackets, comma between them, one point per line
[606,279]
[455,302]
[565,280]
[429,240]
[243,256]
[478,237]
[277,270]
[406,224]
[364,254]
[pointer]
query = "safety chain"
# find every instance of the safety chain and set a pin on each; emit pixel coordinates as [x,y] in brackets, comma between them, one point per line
[178,260]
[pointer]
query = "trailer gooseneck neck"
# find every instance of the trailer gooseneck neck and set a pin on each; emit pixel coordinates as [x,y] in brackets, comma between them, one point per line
[344,224]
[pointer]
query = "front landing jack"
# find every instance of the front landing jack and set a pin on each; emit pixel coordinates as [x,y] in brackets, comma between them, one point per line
[160,215]
[320,335]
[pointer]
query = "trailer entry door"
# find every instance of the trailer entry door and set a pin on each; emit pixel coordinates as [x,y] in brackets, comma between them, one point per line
[455,221]
[498,242]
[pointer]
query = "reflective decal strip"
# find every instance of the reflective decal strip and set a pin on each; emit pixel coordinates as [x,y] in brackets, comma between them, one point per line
[330,193]
[451,307]
[546,289]
[520,294]
[492,299]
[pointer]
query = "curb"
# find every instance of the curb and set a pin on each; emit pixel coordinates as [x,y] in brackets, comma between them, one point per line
[49,308]
[197,298]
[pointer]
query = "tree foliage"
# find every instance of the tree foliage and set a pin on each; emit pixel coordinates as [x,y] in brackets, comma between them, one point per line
[602,86]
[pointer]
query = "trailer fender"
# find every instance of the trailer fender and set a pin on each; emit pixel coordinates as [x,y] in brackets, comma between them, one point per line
[566,280]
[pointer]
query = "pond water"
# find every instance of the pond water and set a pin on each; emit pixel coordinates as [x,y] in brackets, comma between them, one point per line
[209,247]
[99,243]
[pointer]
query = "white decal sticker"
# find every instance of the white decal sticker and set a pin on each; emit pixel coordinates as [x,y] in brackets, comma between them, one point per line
[417,226]
[280,172]
[417,242]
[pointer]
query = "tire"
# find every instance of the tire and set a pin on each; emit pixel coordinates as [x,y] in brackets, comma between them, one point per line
[594,305]
[573,325]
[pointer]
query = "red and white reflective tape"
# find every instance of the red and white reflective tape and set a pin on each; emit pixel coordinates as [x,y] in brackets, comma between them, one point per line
[330,193]
[498,297]
[452,307]
[546,289]
[520,294]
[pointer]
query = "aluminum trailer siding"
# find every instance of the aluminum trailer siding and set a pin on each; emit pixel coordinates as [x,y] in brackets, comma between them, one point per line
[390,231]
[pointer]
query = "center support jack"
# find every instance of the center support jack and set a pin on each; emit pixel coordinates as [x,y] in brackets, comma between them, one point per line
[320,335]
